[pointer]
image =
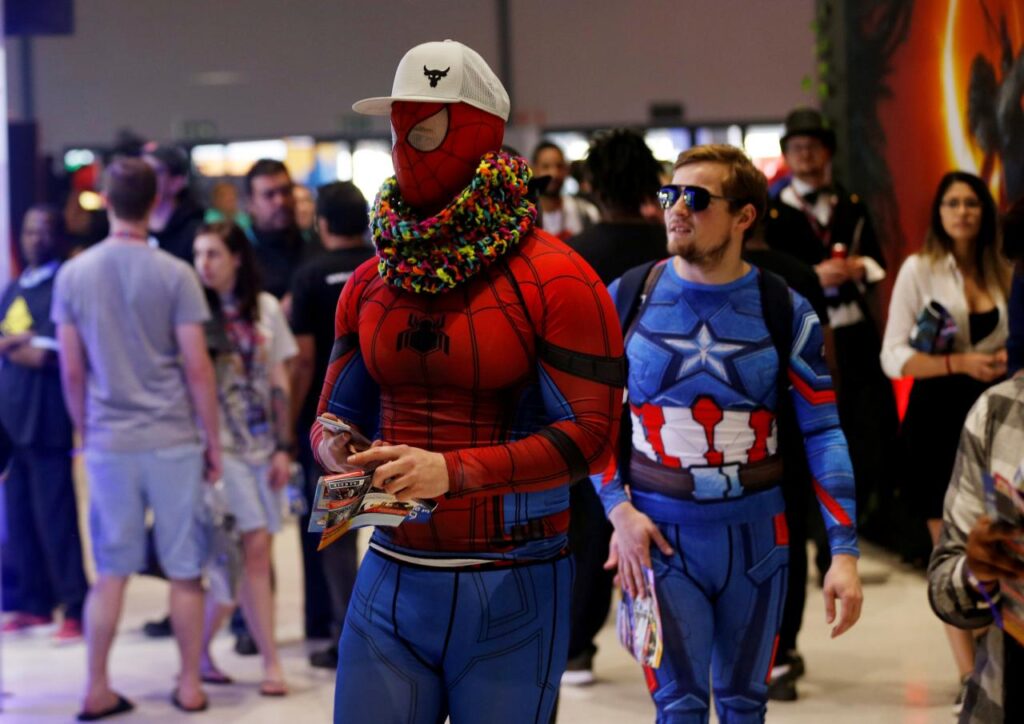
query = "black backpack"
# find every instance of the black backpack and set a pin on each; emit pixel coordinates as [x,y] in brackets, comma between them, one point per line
[776,305]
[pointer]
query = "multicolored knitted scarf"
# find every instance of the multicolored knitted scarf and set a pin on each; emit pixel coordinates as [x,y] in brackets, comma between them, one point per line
[440,252]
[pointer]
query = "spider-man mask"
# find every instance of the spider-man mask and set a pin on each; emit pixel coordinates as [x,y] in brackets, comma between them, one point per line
[437,147]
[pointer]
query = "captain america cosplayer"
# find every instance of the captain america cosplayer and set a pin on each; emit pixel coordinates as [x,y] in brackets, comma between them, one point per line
[486,359]
[704,508]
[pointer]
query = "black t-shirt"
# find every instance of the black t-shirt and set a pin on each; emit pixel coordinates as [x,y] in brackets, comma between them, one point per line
[315,289]
[800,277]
[278,255]
[31,406]
[178,236]
[788,229]
[613,248]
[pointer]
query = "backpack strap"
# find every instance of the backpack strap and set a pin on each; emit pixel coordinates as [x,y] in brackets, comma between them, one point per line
[777,308]
[634,285]
[634,290]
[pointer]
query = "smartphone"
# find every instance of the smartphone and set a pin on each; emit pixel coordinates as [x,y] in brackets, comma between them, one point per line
[337,426]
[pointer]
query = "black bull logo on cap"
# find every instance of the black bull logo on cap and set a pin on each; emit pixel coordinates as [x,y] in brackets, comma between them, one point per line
[435,75]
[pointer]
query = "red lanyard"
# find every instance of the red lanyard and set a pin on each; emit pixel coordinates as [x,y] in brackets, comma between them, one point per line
[243,336]
[128,235]
[823,232]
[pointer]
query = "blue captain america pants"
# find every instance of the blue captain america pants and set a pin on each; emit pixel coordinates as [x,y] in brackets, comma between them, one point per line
[422,644]
[721,596]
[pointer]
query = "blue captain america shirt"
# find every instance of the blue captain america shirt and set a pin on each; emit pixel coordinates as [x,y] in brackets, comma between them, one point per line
[702,390]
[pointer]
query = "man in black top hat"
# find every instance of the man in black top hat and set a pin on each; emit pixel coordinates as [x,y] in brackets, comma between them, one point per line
[824,225]
[811,217]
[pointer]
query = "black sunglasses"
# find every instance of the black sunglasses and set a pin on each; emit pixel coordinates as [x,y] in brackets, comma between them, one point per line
[696,198]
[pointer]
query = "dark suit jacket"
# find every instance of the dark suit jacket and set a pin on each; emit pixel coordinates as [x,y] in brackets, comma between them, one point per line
[788,229]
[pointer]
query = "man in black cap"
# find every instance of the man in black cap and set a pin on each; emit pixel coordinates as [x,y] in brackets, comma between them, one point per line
[176,215]
[829,228]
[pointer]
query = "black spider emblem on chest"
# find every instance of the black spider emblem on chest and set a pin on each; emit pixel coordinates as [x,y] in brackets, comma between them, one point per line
[424,335]
[435,75]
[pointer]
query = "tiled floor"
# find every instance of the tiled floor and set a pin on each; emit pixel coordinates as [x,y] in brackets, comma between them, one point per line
[894,667]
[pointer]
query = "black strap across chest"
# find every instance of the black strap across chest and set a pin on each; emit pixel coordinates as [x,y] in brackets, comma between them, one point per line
[634,291]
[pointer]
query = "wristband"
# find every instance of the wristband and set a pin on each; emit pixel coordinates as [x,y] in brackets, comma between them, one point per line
[986,594]
[290,448]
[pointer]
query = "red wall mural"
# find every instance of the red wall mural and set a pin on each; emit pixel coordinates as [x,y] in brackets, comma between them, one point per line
[955,84]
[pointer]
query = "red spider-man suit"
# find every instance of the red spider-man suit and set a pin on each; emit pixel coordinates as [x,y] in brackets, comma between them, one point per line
[428,174]
[464,373]
[488,357]
[515,375]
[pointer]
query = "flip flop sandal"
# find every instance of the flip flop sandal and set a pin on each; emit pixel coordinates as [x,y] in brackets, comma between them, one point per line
[186,709]
[216,678]
[273,688]
[123,706]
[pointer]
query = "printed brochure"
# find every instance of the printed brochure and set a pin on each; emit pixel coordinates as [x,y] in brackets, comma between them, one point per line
[1004,503]
[347,500]
[639,623]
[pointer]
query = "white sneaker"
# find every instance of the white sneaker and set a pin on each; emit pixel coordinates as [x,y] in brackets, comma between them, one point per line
[958,704]
[579,677]
[579,669]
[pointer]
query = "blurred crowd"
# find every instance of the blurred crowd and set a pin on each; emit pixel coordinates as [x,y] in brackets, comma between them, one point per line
[175,340]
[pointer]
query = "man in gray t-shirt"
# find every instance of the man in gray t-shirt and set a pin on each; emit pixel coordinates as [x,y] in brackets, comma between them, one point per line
[136,375]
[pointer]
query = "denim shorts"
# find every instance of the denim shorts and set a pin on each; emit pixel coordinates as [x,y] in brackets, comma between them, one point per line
[122,485]
[253,502]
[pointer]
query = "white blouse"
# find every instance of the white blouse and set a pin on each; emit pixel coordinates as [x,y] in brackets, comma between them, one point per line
[920,281]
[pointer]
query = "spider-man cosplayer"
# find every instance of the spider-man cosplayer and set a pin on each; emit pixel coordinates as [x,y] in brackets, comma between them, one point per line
[703,388]
[488,358]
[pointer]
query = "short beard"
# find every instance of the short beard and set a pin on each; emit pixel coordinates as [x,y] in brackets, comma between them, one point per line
[706,258]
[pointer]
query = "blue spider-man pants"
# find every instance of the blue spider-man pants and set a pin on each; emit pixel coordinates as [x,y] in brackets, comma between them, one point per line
[421,644]
[721,596]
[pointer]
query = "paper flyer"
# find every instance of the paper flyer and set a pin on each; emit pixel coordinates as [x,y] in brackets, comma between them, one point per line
[345,501]
[1004,503]
[639,624]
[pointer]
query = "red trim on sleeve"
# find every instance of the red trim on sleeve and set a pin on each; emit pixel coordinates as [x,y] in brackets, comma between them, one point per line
[834,508]
[815,397]
[608,475]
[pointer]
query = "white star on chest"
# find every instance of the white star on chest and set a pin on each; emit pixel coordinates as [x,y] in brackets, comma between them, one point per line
[706,352]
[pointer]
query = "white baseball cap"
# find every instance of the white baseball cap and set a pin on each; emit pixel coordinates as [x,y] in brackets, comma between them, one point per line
[442,72]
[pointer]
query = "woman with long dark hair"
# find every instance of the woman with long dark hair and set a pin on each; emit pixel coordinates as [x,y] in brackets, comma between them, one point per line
[250,343]
[958,283]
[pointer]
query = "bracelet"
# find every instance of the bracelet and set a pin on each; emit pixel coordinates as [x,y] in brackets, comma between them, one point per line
[985,588]
[290,448]
[987,594]
[949,365]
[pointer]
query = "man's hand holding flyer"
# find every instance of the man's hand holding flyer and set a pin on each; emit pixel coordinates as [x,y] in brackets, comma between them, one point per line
[1004,504]
[639,624]
[348,500]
